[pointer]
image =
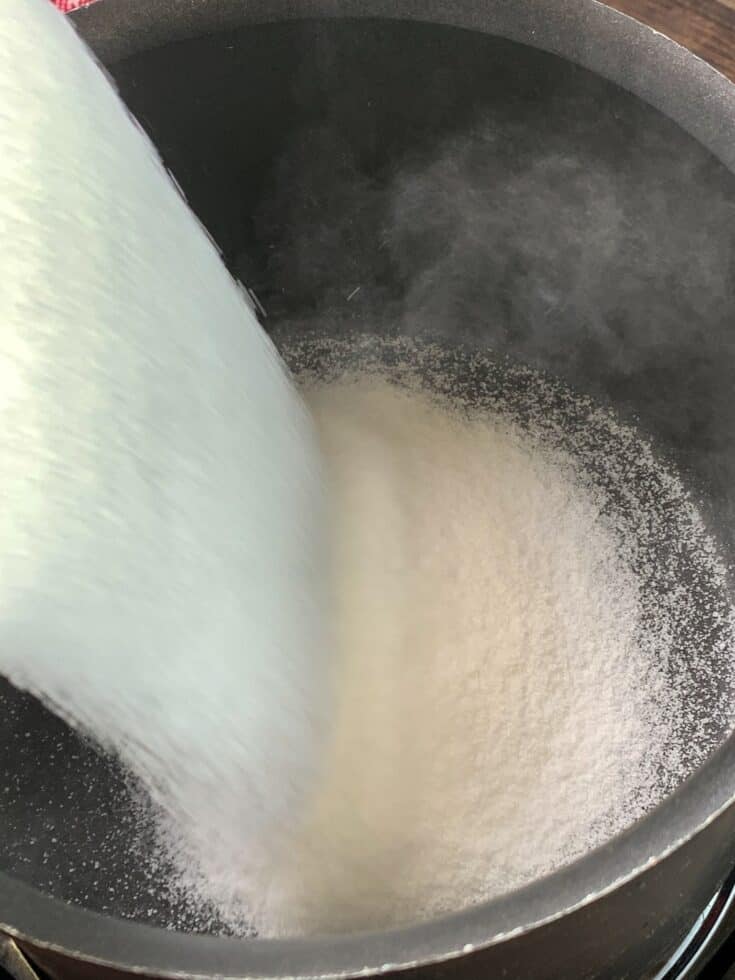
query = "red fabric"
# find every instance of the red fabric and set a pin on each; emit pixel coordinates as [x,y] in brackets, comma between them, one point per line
[67,5]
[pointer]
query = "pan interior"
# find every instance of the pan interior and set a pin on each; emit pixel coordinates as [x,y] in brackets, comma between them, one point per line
[481,194]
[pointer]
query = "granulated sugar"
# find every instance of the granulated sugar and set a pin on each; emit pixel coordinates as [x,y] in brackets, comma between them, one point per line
[495,710]
[144,415]
[511,689]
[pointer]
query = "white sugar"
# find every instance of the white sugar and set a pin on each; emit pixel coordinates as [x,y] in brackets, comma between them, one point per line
[505,698]
[161,554]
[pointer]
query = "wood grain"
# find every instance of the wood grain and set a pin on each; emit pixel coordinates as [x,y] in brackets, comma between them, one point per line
[705,26]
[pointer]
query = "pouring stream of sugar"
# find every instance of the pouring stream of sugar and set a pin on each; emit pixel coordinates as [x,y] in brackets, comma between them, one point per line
[160,531]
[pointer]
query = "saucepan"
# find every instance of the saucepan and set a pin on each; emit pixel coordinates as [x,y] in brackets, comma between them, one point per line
[613,268]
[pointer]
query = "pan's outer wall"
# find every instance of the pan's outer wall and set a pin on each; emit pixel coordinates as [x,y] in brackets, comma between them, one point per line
[578,922]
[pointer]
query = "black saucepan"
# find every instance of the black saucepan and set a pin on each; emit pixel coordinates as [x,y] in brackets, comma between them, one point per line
[285,121]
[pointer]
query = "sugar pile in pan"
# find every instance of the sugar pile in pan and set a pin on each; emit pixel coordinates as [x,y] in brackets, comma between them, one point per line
[521,672]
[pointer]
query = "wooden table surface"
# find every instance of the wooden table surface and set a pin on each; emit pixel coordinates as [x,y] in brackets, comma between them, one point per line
[705,26]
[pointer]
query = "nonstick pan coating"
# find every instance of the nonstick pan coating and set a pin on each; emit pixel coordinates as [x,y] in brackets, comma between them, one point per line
[356,100]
